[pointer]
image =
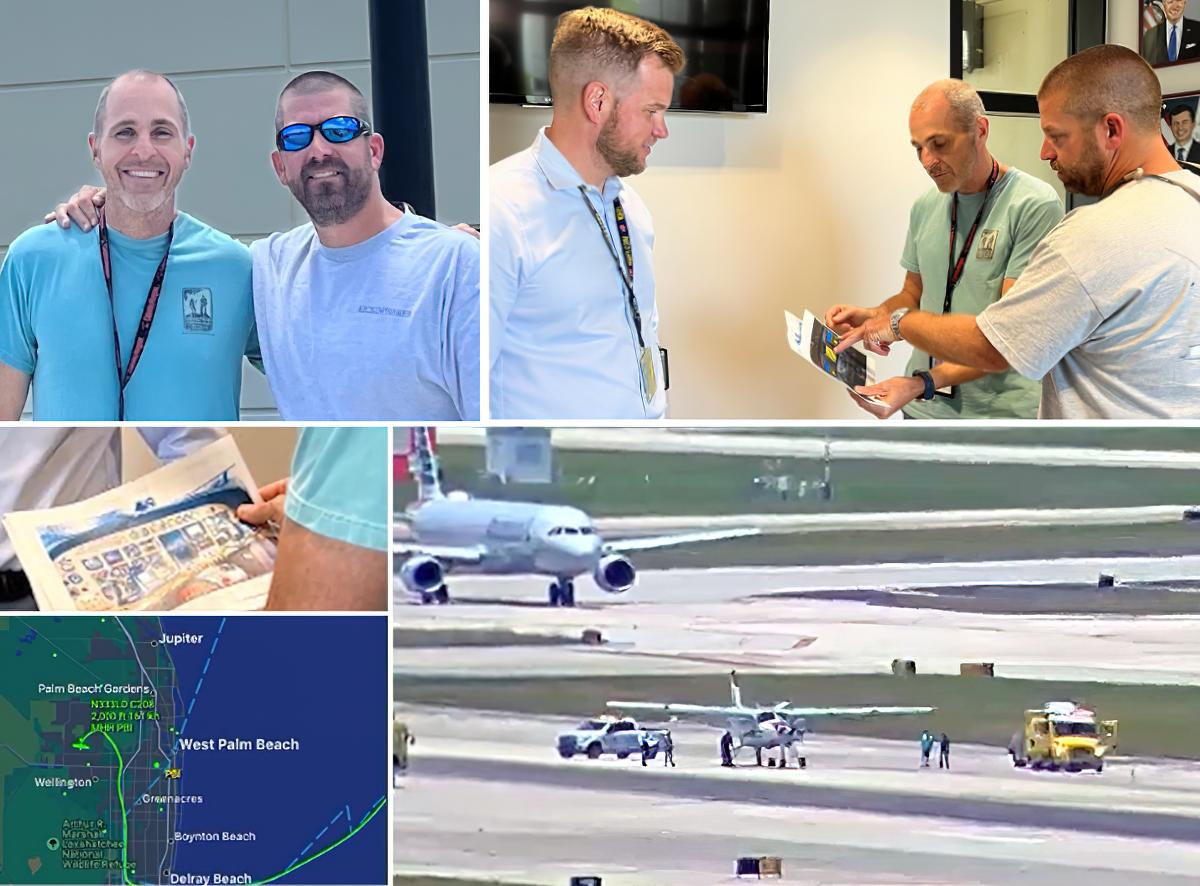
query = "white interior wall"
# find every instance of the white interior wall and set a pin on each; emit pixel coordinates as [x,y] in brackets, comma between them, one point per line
[267,451]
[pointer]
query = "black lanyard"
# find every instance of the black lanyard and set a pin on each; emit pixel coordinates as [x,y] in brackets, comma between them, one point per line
[625,271]
[954,271]
[143,332]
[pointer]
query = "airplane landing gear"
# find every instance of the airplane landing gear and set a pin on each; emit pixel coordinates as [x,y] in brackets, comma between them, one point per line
[562,592]
[439,595]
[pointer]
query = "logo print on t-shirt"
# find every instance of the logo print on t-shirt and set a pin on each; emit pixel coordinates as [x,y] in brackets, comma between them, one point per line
[987,245]
[198,310]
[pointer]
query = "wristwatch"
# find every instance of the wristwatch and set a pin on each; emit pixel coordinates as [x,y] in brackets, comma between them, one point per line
[897,316]
[927,377]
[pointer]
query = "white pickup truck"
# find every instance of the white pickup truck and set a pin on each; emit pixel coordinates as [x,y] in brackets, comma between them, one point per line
[608,735]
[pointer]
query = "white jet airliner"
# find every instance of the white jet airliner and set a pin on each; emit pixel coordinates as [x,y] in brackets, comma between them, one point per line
[456,531]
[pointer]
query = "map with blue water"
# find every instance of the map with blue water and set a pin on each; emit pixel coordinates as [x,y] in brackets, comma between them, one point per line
[194,750]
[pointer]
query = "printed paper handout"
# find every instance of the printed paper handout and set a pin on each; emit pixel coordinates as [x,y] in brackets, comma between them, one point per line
[814,341]
[169,540]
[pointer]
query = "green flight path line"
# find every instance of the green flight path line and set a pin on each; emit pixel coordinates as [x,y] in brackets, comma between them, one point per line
[120,796]
[382,802]
[125,820]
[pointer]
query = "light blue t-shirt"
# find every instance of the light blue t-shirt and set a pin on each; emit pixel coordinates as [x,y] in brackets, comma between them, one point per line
[56,324]
[339,485]
[384,329]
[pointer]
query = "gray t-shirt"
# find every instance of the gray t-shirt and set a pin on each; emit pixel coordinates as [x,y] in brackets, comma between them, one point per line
[1019,213]
[1107,314]
[384,329]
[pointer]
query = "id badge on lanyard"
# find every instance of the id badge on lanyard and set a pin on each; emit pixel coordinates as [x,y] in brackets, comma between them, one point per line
[955,269]
[649,378]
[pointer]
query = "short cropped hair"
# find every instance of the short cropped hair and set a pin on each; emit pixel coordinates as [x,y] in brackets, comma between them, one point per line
[965,104]
[102,104]
[1107,79]
[593,43]
[311,82]
[1181,109]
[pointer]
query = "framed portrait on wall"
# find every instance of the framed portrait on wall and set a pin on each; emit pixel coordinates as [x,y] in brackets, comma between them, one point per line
[1170,32]
[1179,126]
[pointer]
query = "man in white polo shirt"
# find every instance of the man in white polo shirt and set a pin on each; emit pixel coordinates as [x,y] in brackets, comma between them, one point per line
[574,324]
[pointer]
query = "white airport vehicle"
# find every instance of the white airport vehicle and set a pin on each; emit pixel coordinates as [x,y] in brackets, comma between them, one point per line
[609,735]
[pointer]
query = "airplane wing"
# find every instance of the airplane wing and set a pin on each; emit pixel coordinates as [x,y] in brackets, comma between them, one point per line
[448,553]
[868,711]
[683,538]
[717,716]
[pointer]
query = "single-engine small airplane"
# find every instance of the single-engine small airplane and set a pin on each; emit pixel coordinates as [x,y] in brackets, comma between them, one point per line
[456,531]
[760,726]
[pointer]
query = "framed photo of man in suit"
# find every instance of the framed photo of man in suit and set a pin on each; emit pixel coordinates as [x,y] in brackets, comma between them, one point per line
[1170,31]
[1179,126]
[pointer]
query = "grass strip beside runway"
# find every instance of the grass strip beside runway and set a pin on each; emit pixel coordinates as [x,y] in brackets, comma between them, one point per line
[633,483]
[1160,721]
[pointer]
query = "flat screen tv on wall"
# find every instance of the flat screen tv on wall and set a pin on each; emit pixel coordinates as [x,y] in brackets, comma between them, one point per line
[725,42]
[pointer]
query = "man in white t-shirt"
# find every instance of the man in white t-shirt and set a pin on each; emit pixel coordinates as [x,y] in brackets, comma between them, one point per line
[46,467]
[1107,313]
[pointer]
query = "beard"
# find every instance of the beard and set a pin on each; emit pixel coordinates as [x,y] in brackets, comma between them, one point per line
[623,161]
[332,201]
[1086,176]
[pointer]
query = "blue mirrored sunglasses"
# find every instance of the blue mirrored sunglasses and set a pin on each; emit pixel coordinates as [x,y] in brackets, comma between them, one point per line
[337,130]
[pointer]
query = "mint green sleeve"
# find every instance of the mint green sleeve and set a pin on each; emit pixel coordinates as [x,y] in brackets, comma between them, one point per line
[1034,221]
[339,485]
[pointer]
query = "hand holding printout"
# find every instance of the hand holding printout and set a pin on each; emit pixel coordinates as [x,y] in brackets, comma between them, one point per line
[169,540]
[817,344]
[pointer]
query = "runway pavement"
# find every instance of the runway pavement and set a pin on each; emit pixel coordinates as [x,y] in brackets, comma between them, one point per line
[489,793]
[913,521]
[698,621]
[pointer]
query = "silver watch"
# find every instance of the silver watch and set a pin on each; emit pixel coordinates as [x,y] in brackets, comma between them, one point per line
[897,316]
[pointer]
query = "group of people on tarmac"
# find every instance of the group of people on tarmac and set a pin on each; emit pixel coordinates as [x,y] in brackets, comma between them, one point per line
[787,752]
[666,744]
[943,743]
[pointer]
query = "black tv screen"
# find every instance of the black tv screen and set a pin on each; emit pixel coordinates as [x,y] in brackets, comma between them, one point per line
[725,42]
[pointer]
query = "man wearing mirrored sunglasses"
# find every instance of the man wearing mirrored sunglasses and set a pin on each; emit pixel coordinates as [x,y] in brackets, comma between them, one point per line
[372,311]
[144,317]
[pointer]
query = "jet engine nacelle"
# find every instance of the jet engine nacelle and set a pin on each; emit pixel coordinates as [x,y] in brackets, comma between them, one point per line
[614,574]
[421,574]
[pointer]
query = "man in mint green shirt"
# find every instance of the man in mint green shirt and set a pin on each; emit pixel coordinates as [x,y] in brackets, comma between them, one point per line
[334,540]
[999,215]
[186,284]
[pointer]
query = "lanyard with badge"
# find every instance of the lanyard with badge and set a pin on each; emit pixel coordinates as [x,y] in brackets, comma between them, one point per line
[143,332]
[954,270]
[645,357]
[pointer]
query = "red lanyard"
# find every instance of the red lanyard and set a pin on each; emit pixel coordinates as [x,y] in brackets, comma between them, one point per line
[955,271]
[143,332]
[627,247]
